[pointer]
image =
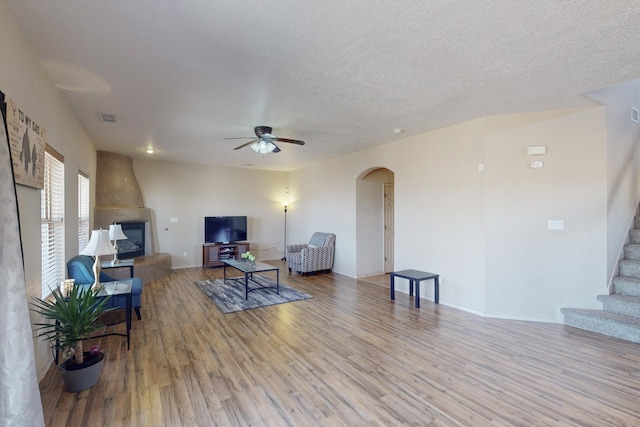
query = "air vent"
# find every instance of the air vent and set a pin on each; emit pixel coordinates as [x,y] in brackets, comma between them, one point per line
[635,115]
[105,117]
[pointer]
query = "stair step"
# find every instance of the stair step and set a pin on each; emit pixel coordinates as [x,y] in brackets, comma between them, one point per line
[629,267]
[634,236]
[621,304]
[603,322]
[632,251]
[627,285]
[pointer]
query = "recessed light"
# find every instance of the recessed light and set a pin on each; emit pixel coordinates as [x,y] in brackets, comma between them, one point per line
[398,130]
[149,150]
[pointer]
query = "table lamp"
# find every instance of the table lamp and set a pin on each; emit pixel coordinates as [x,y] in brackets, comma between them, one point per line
[115,234]
[99,244]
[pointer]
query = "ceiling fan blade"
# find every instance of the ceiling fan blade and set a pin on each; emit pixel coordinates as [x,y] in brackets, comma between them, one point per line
[242,137]
[245,144]
[277,149]
[291,141]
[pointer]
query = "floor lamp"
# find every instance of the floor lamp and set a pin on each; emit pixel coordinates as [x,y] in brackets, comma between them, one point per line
[284,249]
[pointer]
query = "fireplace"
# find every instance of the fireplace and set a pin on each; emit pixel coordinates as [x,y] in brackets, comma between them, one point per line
[119,201]
[134,244]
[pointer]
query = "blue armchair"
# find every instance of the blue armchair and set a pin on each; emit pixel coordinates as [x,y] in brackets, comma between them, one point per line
[80,268]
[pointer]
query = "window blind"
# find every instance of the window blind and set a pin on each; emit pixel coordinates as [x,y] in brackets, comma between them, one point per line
[83,210]
[52,221]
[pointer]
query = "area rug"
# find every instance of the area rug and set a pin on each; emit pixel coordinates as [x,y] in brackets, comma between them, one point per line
[229,297]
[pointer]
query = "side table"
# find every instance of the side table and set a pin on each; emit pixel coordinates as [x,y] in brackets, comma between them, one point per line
[415,277]
[124,263]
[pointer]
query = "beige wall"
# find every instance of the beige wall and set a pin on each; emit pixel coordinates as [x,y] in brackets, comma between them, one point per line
[623,165]
[324,199]
[23,79]
[532,270]
[187,193]
[486,232]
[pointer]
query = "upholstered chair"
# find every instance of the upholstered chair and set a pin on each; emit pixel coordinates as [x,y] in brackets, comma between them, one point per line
[313,257]
[80,268]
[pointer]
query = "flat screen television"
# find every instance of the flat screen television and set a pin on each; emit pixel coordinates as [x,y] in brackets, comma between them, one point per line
[225,229]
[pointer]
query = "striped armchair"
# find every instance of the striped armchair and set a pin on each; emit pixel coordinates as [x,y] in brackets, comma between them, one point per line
[312,257]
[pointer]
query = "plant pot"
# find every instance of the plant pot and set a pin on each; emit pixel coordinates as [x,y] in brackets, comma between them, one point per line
[81,377]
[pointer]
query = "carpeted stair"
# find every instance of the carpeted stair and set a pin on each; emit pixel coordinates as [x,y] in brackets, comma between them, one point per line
[620,316]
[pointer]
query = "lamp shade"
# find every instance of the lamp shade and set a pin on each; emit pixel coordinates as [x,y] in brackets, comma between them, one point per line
[99,244]
[116,233]
[263,147]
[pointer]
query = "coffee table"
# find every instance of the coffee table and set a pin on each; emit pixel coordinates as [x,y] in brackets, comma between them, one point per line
[248,268]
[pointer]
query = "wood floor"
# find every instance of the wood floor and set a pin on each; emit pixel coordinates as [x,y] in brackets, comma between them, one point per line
[347,357]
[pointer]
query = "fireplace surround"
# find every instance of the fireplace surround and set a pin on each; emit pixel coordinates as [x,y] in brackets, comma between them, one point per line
[119,200]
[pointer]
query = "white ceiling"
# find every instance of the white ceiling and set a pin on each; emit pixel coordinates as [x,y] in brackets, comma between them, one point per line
[339,74]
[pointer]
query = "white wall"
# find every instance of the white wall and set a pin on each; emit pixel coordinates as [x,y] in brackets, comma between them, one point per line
[23,79]
[190,192]
[486,232]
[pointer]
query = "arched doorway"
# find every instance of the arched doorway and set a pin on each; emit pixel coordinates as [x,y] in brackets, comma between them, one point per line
[374,222]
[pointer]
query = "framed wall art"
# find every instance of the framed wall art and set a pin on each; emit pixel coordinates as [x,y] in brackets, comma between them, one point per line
[27,142]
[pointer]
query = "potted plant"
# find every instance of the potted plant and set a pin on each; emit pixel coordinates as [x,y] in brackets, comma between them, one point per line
[74,317]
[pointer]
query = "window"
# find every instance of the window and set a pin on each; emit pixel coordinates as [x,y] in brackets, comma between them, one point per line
[52,220]
[83,210]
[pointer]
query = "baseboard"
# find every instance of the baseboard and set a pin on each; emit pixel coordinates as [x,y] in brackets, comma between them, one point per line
[361,276]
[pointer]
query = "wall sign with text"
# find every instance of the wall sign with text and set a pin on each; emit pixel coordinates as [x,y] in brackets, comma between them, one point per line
[27,142]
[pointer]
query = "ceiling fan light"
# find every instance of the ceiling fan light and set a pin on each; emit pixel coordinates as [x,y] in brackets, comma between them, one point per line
[263,147]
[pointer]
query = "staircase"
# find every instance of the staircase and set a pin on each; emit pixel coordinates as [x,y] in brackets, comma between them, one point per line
[620,316]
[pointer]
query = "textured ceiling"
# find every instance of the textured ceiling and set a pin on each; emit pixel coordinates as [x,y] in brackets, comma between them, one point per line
[341,75]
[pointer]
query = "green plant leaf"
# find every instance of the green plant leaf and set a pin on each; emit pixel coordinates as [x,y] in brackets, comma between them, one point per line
[73,318]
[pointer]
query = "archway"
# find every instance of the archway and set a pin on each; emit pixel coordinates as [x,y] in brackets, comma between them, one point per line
[374,191]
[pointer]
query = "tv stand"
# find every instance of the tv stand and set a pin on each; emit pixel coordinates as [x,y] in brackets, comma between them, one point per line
[214,253]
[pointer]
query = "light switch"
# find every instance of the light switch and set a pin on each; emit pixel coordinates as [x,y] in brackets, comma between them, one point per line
[536,150]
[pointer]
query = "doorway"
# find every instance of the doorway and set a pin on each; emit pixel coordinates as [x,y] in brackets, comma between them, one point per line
[388,228]
[374,222]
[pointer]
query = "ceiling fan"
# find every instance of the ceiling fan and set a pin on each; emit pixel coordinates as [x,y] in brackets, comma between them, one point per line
[266,141]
